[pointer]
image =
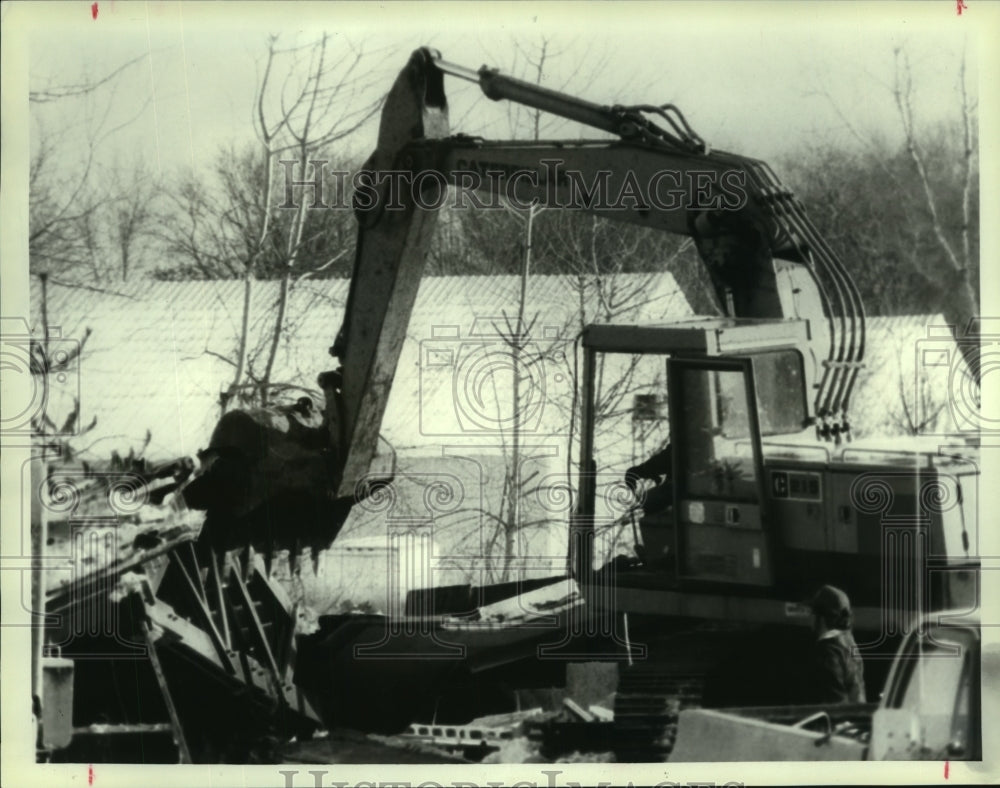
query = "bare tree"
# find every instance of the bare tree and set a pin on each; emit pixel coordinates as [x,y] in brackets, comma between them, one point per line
[960,274]
[319,102]
[906,217]
[209,228]
[85,87]
[255,220]
[80,221]
[74,211]
[516,333]
[131,217]
[322,111]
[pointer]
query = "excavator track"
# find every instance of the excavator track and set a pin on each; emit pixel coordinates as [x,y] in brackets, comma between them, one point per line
[680,671]
[648,700]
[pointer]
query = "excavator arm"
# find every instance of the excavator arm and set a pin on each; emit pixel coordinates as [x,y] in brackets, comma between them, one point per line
[389,260]
[764,257]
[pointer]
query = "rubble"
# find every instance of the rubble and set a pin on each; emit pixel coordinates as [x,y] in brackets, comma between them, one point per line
[519,750]
[350,746]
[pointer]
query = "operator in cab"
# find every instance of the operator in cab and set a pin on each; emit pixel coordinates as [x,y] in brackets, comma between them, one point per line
[837,671]
[658,469]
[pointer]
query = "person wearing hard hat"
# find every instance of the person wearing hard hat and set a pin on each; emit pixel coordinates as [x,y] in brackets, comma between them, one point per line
[838,671]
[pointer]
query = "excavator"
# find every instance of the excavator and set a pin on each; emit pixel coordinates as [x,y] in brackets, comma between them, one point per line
[759,516]
[769,499]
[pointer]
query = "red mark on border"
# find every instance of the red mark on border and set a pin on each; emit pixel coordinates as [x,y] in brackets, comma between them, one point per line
[90,769]
[93,10]
[959,6]
[947,762]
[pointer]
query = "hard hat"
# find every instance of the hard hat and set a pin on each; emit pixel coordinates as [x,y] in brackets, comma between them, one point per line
[830,601]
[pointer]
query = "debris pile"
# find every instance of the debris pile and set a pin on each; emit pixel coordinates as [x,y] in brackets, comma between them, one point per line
[99,519]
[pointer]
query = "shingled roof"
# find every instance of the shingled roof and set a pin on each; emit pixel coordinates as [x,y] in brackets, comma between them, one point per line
[158,355]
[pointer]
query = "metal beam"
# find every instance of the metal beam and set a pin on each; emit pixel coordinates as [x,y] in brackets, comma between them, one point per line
[184,754]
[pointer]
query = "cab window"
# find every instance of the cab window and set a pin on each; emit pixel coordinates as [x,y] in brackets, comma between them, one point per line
[716,434]
[780,385]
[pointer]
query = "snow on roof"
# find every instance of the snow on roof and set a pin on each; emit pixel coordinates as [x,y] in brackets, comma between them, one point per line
[159,353]
[914,381]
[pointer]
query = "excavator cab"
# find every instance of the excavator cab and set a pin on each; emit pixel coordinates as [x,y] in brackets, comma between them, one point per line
[727,382]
